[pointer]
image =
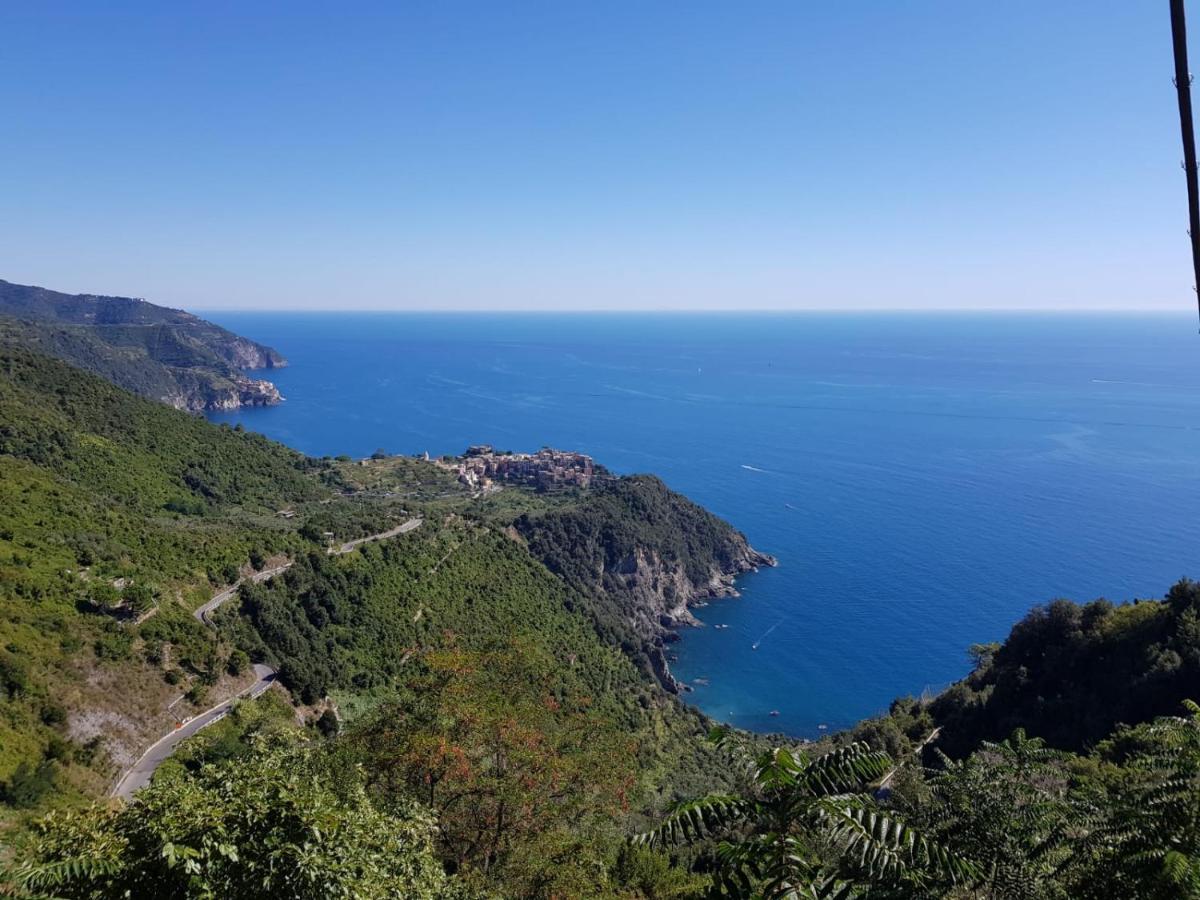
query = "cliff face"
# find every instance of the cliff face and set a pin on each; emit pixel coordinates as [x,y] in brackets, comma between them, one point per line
[163,354]
[661,595]
[644,554]
[221,395]
[243,353]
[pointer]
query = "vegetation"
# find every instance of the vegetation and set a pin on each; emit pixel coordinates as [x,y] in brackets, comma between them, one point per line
[530,783]
[804,826]
[1070,673]
[476,717]
[163,354]
[609,524]
[600,541]
[290,825]
[115,511]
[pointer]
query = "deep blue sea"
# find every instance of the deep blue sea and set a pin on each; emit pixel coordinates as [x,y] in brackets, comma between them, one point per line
[923,479]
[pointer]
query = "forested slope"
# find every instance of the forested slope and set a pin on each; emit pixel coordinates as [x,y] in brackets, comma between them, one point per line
[1071,673]
[111,507]
[639,554]
[470,716]
[115,508]
[164,354]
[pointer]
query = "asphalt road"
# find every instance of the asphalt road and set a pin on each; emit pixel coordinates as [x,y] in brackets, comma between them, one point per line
[204,611]
[231,591]
[399,529]
[143,770]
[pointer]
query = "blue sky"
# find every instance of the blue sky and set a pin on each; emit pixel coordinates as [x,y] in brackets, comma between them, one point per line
[623,155]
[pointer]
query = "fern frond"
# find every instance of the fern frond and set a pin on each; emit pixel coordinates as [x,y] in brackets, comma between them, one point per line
[845,769]
[886,848]
[694,820]
[49,875]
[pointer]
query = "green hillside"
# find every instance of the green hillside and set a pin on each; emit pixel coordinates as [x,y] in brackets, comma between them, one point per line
[99,488]
[164,354]
[114,507]
[466,709]
[1071,673]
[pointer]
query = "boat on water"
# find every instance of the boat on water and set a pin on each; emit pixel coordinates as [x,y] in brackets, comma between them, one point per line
[774,712]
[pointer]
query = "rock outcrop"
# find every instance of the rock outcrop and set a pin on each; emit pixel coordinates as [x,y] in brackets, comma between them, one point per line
[224,396]
[662,596]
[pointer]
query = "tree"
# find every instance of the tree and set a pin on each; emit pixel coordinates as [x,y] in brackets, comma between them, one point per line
[238,662]
[774,838]
[1007,808]
[1147,843]
[284,827]
[526,781]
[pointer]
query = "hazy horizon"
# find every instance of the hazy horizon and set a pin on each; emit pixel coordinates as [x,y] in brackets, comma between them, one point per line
[936,157]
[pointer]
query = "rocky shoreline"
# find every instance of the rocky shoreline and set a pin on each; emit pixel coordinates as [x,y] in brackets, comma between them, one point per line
[666,597]
[164,354]
[199,394]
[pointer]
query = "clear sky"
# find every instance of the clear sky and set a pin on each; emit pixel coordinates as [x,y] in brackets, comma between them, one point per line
[625,155]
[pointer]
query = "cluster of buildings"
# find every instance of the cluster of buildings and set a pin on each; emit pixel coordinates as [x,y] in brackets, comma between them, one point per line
[548,469]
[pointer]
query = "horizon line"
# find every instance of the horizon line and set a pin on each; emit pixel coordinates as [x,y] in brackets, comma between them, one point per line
[823,310]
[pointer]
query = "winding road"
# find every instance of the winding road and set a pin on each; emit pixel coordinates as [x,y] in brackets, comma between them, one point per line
[142,771]
[266,574]
[139,775]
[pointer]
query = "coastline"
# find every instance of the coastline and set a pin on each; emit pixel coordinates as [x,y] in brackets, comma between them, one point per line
[722,585]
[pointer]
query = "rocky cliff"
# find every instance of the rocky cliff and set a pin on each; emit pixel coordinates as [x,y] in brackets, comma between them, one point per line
[661,595]
[165,354]
[646,555]
[204,392]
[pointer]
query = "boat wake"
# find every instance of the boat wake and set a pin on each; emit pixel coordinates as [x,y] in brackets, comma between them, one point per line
[754,646]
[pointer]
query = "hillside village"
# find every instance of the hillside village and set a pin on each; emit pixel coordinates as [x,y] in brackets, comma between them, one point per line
[481,466]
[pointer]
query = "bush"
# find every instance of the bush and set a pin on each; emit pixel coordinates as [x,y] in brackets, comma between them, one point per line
[53,714]
[29,784]
[238,663]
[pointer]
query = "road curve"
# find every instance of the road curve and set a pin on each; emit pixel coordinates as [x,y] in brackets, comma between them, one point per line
[143,770]
[230,592]
[139,775]
[383,535]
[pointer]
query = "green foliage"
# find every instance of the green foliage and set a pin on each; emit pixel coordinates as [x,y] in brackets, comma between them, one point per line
[645,873]
[1008,808]
[595,540]
[528,781]
[142,454]
[1071,673]
[1145,840]
[29,784]
[607,525]
[286,826]
[85,473]
[235,736]
[774,839]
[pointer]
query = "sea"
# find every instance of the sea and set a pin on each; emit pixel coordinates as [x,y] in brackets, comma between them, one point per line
[923,479]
